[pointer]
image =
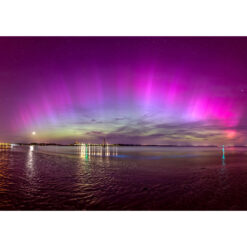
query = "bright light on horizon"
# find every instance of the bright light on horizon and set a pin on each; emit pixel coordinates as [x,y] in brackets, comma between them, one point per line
[33,133]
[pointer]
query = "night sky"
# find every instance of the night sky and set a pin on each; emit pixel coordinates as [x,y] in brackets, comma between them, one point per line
[136,90]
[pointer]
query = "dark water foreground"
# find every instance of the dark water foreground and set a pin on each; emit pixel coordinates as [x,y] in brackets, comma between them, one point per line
[123,178]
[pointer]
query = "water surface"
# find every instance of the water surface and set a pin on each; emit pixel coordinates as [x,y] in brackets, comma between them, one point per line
[122,178]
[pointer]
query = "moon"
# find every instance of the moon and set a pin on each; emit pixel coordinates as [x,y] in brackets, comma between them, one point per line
[33,133]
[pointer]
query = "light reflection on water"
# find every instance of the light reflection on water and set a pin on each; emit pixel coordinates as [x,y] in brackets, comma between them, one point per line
[4,176]
[88,151]
[115,177]
[223,170]
[30,159]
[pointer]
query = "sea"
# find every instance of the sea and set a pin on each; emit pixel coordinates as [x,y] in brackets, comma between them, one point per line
[122,178]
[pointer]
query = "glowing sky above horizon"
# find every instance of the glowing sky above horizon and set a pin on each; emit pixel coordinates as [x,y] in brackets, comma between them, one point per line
[137,90]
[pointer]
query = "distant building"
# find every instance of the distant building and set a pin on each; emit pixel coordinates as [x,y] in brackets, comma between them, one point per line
[104,142]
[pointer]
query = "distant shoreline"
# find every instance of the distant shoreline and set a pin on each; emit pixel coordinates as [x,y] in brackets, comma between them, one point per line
[124,145]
